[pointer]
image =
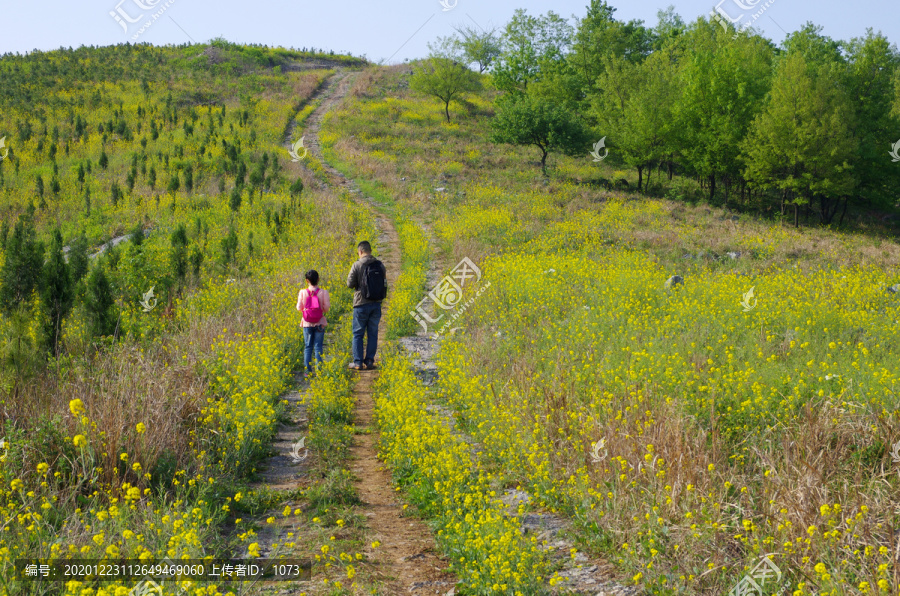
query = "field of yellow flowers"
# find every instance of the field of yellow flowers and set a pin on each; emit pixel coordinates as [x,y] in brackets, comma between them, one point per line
[138,447]
[690,429]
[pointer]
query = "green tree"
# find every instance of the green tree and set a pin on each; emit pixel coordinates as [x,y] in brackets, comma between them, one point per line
[115,194]
[599,35]
[229,246]
[471,45]
[99,303]
[56,291]
[724,80]
[137,235]
[635,109]
[872,63]
[895,111]
[529,44]
[235,200]
[445,79]
[802,143]
[526,120]
[189,178]
[296,187]
[22,265]
[174,184]
[179,255]
[79,260]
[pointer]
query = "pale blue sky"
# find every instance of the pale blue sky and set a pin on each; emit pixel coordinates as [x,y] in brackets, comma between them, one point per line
[378,29]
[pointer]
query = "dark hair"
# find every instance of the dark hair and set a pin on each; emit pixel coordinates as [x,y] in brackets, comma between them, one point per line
[365,247]
[313,276]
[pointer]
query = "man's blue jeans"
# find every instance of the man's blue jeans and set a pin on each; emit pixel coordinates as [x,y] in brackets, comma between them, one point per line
[365,322]
[313,337]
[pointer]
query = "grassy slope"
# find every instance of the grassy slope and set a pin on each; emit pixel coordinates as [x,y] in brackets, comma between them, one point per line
[133,448]
[722,434]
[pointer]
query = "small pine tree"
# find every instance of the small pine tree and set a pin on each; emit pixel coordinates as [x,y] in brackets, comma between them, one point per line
[104,160]
[297,187]
[196,261]
[229,247]
[174,184]
[100,304]
[235,200]
[137,235]
[78,258]
[24,260]
[56,292]
[179,241]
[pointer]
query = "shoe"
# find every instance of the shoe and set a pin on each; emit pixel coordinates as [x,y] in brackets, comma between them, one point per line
[371,366]
[355,366]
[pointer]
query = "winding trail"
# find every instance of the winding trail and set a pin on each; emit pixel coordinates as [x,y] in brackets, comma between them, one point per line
[408,560]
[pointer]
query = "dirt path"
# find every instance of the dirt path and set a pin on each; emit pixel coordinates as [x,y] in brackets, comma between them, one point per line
[407,560]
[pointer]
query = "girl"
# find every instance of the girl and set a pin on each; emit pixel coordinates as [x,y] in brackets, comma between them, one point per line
[313,302]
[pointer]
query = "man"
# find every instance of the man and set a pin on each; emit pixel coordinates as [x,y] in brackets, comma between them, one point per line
[368,278]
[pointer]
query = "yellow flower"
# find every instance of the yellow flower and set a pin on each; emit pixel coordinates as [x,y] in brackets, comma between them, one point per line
[79,441]
[140,428]
[76,406]
[42,468]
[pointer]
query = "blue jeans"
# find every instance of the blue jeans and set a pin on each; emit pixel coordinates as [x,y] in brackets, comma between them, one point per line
[313,337]
[365,322]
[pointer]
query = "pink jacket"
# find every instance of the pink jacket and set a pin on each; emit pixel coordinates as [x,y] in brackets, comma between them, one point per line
[324,302]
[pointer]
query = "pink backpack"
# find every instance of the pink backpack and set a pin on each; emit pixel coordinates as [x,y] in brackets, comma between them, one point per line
[312,310]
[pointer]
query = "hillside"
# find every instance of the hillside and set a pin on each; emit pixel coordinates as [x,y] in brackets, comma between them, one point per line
[582,387]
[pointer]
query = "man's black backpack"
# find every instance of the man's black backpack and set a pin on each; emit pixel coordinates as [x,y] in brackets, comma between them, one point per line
[373,280]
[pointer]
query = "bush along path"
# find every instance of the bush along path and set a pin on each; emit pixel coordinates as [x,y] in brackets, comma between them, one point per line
[323,494]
